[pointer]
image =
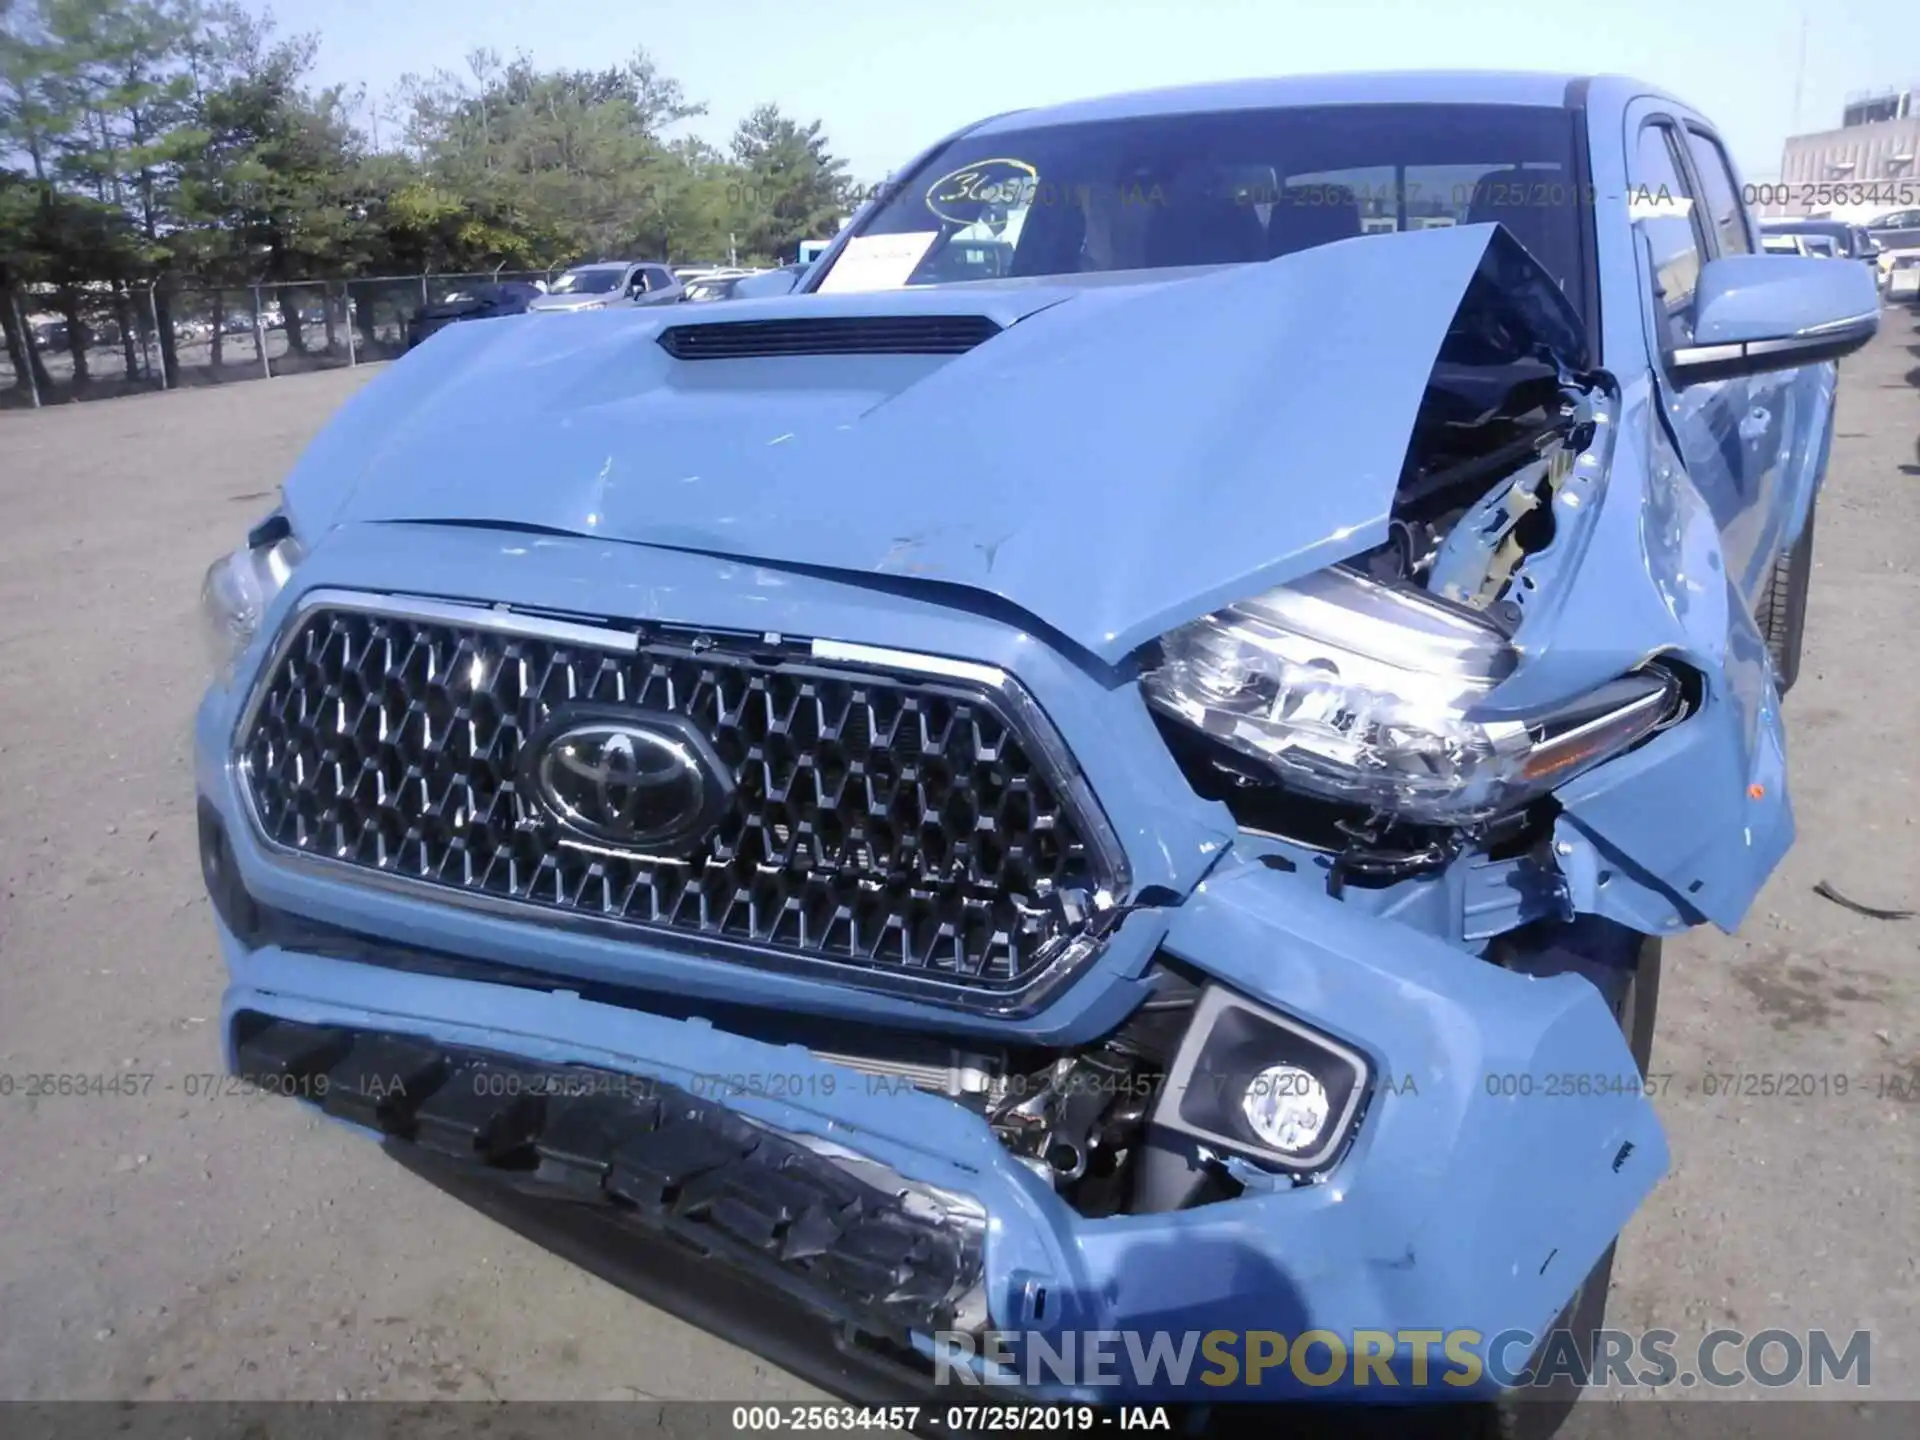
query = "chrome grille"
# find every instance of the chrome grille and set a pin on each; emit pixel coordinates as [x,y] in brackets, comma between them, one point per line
[906,829]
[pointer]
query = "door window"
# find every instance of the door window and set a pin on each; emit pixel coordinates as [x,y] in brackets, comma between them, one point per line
[1662,209]
[1720,195]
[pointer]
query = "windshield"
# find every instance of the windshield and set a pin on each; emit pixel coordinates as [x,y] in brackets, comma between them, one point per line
[586,282]
[1149,192]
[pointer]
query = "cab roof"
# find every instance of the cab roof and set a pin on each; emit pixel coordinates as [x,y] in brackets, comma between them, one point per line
[1384,87]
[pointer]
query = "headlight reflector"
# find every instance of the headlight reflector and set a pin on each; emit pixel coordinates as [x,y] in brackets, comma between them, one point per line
[1365,694]
[235,595]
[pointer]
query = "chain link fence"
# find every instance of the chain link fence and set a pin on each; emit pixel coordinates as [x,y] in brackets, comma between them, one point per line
[97,340]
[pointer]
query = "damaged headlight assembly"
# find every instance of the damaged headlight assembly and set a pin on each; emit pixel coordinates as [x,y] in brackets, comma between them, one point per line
[1366,694]
[239,587]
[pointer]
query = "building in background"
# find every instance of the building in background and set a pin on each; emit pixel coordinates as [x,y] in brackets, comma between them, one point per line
[1872,109]
[1864,169]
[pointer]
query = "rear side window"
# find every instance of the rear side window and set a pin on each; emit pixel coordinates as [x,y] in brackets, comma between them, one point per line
[1662,208]
[1719,194]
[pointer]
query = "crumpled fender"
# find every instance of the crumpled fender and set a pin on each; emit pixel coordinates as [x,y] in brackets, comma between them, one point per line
[1687,827]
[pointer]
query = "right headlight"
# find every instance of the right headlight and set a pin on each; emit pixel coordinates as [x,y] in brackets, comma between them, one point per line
[1366,694]
[239,587]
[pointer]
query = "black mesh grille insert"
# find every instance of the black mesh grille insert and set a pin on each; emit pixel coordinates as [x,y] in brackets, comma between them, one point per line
[829,335]
[893,824]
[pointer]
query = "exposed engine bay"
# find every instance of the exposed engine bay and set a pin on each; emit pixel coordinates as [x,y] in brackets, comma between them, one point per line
[1470,544]
[1078,1120]
[1508,459]
[1494,445]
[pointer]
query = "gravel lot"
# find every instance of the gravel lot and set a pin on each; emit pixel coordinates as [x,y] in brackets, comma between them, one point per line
[233,1247]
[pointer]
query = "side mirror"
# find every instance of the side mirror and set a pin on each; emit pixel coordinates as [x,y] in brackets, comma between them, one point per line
[1756,313]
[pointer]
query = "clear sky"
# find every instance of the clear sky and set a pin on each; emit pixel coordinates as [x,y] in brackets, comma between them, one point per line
[888,77]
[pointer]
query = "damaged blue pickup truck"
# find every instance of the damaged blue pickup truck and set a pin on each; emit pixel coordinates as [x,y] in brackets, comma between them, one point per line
[1116,763]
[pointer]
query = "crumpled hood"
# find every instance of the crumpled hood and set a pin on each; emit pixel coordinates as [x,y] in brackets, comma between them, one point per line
[1119,459]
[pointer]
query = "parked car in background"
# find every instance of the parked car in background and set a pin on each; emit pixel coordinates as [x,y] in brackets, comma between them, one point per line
[54,333]
[718,286]
[1900,275]
[1837,238]
[1143,794]
[471,302]
[609,283]
[1896,230]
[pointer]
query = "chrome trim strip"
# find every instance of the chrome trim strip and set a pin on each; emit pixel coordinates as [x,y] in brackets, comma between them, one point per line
[1655,700]
[1813,341]
[1686,355]
[1051,754]
[908,660]
[1841,327]
[497,618]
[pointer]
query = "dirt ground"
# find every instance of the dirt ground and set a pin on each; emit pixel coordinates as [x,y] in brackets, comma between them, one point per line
[235,1247]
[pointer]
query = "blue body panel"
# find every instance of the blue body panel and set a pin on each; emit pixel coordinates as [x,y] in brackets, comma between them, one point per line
[1127,456]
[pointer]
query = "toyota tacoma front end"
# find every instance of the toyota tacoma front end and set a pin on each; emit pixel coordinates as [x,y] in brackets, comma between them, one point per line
[1102,799]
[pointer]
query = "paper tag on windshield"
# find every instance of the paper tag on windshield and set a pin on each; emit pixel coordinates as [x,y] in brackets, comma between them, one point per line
[877,262]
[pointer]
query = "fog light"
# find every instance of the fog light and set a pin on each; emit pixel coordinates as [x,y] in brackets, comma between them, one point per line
[1256,1083]
[1287,1108]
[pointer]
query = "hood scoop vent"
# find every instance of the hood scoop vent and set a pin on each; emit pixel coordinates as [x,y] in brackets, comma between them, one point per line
[829,335]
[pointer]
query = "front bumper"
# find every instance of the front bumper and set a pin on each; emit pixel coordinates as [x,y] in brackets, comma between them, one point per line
[1456,1211]
[853,1244]
[1481,1188]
